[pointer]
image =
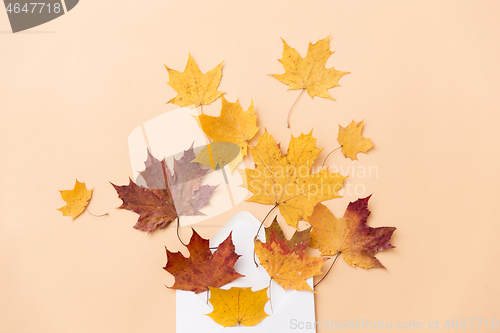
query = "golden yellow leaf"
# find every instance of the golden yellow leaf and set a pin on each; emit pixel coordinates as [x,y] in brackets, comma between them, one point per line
[233,125]
[76,199]
[309,73]
[287,181]
[286,261]
[238,306]
[194,87]
[349,236]
[351,140]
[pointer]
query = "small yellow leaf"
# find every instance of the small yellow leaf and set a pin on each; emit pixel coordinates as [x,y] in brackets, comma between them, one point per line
[351,140]
[76,199]
[238,306]
[194,87]
[309,73]
[233,125]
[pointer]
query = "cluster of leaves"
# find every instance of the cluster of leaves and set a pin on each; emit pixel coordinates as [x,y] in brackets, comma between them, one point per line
[285,181]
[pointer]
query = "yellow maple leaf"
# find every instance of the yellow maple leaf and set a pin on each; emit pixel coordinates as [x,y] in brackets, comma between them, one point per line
[351,140]
[238,306]
[194,87]
[287,181]
[76,199]
[286,261]
[309,73]
[232,125]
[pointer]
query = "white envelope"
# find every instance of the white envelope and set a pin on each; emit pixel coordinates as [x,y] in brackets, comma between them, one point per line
[167,136]
[288,306]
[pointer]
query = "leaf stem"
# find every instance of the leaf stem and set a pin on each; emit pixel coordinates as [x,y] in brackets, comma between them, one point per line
[270,300]
[258,230]
[179,236]
[262,223]
[290,112]
[322,165]
[105,214]
[329,269]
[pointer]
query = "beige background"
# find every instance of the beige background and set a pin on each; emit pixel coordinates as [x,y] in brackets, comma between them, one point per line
[424,77]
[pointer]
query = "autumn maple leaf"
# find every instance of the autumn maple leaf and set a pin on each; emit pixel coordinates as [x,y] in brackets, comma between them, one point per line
[76,199]
[309,73]
[203,269]
[194,87]
[238,306]
[285,260]
[187,193]
[349,236]
[352,142]
[232,125]
[169,195]
[286,181]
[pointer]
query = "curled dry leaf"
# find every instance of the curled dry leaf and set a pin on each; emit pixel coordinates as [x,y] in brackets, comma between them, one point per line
[286,261]
[349,236]
[203,269]
[238,306]
[286,181]
[76,199]
[194,87]
[351,140]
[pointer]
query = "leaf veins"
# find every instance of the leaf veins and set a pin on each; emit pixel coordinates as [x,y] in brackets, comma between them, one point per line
[168,195]
[203,269]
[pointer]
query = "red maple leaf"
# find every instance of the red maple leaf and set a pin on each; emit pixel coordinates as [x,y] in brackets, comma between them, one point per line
[168,195]
[203,268]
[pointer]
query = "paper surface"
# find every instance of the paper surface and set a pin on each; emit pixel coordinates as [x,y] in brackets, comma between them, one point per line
[191,308]
[168,135]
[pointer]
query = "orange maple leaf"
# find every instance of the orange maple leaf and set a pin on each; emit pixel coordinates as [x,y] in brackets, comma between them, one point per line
[286,261]
[349,236]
